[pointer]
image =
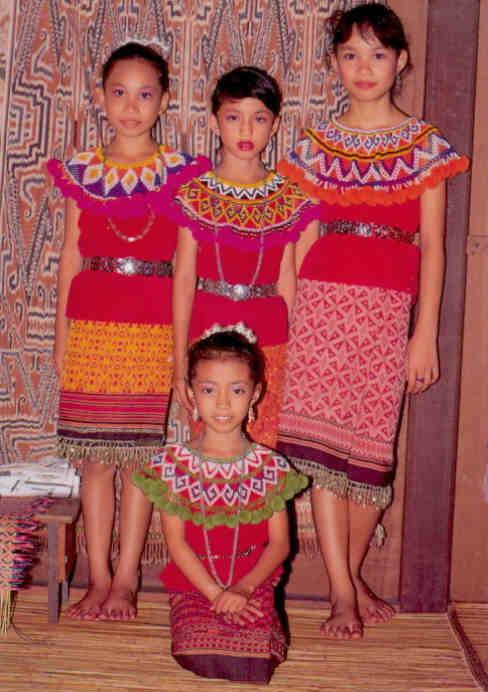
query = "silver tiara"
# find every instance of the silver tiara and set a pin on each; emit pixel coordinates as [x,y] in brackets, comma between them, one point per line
[240,328]
[163,44]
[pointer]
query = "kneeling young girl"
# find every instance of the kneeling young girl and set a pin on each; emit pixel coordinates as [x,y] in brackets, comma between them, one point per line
[223,509]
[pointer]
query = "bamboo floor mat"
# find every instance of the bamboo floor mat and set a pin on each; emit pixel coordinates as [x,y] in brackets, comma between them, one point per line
[414,653]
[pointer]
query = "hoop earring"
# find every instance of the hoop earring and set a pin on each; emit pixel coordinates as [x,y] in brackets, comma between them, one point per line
[250,414]
[195,414]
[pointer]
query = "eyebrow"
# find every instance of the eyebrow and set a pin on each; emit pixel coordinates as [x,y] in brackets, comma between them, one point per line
[144,86]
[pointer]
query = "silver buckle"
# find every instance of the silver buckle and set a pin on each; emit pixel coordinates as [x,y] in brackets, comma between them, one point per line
[127,266]
[239,291]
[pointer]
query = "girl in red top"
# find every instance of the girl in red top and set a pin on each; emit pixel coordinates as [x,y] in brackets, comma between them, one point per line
[113,326]
[380,175]
[223,500]
[239,225]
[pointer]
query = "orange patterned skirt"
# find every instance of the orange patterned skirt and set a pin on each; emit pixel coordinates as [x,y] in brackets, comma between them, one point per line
[114,392]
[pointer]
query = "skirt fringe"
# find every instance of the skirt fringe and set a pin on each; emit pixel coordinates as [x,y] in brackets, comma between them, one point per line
[339,484]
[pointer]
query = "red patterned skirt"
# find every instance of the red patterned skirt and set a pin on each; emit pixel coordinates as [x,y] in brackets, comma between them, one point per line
[206,644]
[345,382]
[114,392]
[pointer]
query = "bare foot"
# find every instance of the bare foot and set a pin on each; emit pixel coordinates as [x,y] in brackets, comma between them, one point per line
[90,606]
[373,610]
[344,623]
[120,604]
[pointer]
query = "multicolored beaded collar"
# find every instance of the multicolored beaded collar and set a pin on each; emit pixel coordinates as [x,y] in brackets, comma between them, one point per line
[245,489]
[274,209]
[345,166]
[101,185]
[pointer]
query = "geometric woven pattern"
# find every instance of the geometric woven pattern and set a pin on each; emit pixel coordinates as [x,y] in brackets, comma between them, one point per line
[216,492]
[51,52]
[346,373]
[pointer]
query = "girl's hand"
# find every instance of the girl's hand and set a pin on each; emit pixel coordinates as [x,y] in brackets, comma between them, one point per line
[249,614]
[234,600]
[181,393]
[422,364]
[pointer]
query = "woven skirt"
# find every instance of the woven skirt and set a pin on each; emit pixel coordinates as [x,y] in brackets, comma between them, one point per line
[345,381]
[206,644]
[114,392]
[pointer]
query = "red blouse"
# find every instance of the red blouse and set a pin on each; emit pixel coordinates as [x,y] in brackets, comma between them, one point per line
[123,200]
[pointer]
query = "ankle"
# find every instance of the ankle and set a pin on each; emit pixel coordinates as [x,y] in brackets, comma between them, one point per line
[343,598]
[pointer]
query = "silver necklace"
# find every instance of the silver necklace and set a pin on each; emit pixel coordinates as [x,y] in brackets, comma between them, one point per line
[147,226]
[132,238]
[206,537]
[259,264]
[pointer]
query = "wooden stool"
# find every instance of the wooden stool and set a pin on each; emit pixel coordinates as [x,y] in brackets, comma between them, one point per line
[61,550]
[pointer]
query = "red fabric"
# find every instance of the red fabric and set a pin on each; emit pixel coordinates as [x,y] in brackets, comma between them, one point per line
[350,259]
[267,317]
[221,543]
[98,295]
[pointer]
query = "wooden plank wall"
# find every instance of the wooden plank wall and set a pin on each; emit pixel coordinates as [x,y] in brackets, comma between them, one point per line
[470,553]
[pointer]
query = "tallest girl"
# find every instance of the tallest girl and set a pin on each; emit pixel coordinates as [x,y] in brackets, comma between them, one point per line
[381,178]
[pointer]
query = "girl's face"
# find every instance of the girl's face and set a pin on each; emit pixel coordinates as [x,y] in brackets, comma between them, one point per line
[245,127]
[132,97]
[223,390]
[366,67]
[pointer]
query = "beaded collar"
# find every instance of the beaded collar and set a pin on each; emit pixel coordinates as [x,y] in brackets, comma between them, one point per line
[245,489]
[101,185]
[105,179]
[274,208]
[341,165]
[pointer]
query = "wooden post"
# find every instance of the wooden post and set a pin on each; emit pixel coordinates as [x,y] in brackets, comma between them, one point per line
[452,40]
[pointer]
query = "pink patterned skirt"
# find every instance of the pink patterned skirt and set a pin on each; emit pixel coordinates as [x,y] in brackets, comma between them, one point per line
[345,382]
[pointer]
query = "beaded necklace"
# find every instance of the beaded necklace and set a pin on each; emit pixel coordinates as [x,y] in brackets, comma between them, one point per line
[259,264]
[151,216]
[206,537]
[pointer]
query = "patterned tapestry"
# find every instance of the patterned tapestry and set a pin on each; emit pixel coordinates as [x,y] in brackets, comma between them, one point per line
[51,53]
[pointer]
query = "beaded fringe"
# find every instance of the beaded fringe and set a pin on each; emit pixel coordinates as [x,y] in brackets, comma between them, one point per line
[339,484]
[122,455]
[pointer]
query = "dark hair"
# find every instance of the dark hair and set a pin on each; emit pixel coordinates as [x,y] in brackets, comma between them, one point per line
[137,51]
[367,17]
[247,81]
[229,344]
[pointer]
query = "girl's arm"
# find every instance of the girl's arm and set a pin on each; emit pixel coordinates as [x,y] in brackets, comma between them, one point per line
[183,294]
[69,265]
[305,242]
[287,280]
[272,557]
[423,361]
[184,557]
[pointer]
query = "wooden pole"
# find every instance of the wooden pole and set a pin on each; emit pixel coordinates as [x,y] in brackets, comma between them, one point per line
[452,39]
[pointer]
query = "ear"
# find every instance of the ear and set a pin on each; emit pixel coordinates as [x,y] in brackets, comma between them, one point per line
[334,66]
[99,97]
[276,124]
[402,61]
[190,393]
[214,124]
[164,102]
[257,393]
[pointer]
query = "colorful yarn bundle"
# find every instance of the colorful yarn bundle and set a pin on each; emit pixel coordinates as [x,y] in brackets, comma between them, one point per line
[18,546]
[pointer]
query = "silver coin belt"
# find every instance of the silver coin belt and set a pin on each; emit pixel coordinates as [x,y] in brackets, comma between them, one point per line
[240,553]
[370,230]
[128,266]
[236,291]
